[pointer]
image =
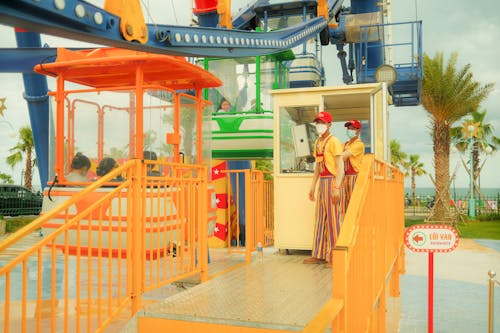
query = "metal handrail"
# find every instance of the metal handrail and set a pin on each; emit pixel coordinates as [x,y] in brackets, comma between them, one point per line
[355,304]
[98,261]
[415,43]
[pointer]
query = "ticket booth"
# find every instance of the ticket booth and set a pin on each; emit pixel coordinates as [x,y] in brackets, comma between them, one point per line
[294,111]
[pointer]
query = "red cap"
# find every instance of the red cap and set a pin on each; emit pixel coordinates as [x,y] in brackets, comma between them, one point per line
[324,117]
[354,123]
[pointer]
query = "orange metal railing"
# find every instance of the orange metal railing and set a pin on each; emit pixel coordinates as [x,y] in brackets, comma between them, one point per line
[259,214]
[104,246]
[369,252]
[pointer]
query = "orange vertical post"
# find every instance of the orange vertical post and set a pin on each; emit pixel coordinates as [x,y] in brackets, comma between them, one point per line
[131,126]
[60,126]
[137,237]
[139,130]
[199,129]
[177,120]
[100,134]
[203,227]
[137,201]
[249,217]
[71,133]
[259,205]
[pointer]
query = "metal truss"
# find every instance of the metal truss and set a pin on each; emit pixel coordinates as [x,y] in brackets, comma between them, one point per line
[80,20]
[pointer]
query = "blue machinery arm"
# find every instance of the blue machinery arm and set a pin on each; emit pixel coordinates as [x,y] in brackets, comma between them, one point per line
[101,27]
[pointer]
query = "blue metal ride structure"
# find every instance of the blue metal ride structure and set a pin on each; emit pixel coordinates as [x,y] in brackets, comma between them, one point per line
[80,20]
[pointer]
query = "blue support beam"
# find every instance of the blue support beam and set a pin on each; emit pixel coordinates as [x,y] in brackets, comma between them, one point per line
[35,94]
[23,60]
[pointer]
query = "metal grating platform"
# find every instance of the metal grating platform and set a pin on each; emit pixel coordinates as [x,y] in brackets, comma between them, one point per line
[276,292]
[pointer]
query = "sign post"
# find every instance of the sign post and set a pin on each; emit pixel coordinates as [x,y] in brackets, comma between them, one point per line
[431,238]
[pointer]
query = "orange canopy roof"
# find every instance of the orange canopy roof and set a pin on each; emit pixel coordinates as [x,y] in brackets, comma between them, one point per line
[113,67]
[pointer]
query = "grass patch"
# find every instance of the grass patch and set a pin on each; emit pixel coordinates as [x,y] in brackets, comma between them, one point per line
[479,229]
[13,224]
[412,221]
[482,229]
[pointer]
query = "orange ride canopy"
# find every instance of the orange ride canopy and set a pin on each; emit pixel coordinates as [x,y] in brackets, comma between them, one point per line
[141,75]
[113,67]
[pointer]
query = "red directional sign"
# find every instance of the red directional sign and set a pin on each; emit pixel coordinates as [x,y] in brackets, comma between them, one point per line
[431,238]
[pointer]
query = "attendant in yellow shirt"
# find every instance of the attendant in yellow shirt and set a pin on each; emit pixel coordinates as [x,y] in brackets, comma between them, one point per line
[354,150]
[329,172]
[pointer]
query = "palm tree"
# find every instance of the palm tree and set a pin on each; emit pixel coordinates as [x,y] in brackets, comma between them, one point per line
[413,167]
[448,94]
[265,165]
[23,147]
[398,157]
[6,179]
[484,142]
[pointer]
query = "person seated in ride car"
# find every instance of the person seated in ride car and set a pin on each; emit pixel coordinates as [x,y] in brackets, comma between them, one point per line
[151,156]
[106,165]
[224,106]
[79,168]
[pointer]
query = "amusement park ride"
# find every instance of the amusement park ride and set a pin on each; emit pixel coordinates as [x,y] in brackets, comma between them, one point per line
[267,46]
[142,94]
[263,28]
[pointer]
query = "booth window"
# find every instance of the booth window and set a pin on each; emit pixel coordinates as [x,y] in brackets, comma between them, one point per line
[297,136]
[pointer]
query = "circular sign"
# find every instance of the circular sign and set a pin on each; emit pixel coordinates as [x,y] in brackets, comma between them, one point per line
[431,238]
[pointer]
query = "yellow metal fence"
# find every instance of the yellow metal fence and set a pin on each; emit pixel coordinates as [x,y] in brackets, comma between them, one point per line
[258,198]
[368,253]
[103,246]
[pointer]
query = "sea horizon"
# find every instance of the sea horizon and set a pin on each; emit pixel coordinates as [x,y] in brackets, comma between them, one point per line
[454,192]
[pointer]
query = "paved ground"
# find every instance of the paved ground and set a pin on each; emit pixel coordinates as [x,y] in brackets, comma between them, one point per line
[461,289]
[460,285]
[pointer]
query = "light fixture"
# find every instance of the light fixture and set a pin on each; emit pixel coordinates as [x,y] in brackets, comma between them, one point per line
[386,73]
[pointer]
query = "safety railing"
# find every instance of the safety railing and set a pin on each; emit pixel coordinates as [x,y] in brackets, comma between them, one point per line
[410,49]
[256,208]
[491,300]
[262,206]
[103,247]
[369,252]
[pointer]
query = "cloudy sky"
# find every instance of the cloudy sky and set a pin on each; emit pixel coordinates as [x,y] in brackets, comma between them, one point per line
[448,26]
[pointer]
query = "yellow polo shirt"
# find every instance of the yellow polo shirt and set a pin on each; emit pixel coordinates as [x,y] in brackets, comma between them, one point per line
[357,150]
[333,148]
